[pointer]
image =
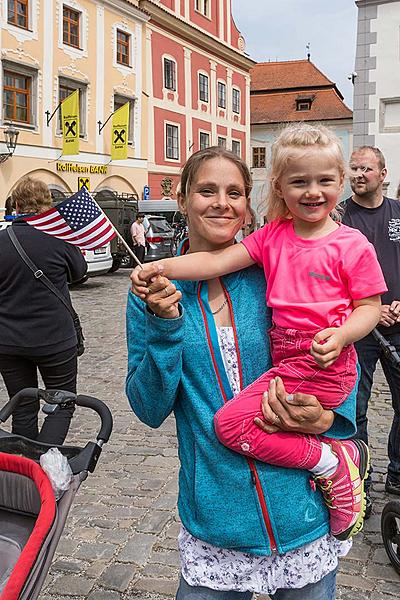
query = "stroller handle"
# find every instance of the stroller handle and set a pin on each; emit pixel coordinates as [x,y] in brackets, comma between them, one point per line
[8,409]
[102,410]
[62,397]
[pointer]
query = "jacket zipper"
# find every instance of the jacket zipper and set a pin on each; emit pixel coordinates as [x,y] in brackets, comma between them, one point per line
[253,469]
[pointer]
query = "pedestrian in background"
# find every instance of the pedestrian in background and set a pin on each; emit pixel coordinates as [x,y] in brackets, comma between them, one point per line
[246,526]
[36,330]
[138,234]
[378,218]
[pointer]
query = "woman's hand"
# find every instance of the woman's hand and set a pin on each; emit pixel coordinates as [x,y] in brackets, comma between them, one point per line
[160,295]
[297,413]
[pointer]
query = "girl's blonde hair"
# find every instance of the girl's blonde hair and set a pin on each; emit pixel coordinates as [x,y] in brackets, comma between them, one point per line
[294,137]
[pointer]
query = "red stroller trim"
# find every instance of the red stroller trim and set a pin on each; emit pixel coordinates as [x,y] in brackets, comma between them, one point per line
[44,521]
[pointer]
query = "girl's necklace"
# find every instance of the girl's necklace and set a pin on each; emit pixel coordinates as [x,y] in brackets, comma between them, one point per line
[215,312]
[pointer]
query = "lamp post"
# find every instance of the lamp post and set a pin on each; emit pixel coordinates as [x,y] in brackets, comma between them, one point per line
[10,137]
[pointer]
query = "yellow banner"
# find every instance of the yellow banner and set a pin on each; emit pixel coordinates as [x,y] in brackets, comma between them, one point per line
[119,133]
[70,123]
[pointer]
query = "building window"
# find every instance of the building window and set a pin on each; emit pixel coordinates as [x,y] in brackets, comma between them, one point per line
[172,141]
[203,87]
[17,97]
[221,94]
[123,48]
[259,157]
[203,7]
[303,104]
[236,100]
[221,142]
[120,101]
[66,88]
[169,74]
[71,24]
[236,147]
[18,13]
[204,140]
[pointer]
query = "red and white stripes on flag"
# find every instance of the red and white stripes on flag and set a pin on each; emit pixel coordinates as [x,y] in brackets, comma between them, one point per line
[77,220]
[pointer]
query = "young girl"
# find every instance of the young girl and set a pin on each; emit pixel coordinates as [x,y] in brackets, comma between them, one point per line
[327,299]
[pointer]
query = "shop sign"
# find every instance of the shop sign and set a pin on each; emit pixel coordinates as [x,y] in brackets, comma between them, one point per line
[84,182]
[69,167]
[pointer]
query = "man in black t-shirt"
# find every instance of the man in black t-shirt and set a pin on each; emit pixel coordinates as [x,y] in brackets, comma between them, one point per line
[378,218]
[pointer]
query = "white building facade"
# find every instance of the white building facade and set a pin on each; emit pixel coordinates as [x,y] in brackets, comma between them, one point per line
[376,113]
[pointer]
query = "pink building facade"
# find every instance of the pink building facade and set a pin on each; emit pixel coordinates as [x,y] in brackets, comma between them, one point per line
[198,85]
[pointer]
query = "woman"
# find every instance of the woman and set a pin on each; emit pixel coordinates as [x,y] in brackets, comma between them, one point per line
[246,526]
[36,330]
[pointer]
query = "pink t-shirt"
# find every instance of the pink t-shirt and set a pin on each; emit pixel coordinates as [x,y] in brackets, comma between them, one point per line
[137,233]
[311,283]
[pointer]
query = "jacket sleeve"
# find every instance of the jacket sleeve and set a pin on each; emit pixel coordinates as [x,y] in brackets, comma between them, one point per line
[76,264]
[344,426]
[155,349]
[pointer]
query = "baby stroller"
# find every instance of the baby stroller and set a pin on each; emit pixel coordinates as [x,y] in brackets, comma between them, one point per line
[390,520]
[31,519]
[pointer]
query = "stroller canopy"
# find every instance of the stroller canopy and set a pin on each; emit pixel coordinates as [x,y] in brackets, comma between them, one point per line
[27,512]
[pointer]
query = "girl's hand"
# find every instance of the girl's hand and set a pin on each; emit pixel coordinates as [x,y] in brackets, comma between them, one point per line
[327,345]
[141,278]
[301,413]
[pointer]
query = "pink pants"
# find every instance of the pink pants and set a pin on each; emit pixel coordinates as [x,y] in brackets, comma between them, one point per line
[290,349]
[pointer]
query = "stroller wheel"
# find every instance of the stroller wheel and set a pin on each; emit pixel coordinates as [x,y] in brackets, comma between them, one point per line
[390,527]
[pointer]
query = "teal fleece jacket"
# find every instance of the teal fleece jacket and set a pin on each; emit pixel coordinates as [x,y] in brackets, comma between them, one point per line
[174,365]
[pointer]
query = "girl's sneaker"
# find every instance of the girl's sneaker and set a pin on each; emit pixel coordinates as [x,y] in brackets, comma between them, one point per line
[343,490]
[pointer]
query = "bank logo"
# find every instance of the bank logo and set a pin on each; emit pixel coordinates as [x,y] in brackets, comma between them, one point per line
[394,230]
[84,182]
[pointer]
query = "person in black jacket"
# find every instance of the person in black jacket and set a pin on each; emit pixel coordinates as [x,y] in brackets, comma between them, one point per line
[36,330]
[378,218]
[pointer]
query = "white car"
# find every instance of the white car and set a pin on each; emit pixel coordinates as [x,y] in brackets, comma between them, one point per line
[99,261]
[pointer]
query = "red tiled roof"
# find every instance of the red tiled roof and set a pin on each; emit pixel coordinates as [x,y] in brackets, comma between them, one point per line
[287,74]
[280,107]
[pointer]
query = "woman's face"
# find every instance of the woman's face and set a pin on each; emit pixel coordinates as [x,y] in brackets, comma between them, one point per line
[216,205]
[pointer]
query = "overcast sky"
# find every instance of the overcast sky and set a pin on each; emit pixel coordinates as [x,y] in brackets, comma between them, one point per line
[280,30]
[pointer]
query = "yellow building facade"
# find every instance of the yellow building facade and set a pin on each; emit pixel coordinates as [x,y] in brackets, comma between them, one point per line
[49,48]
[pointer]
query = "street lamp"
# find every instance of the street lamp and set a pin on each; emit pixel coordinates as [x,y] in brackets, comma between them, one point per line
[10,137]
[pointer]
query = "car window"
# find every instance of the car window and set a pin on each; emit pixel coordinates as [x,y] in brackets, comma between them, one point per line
[160,226]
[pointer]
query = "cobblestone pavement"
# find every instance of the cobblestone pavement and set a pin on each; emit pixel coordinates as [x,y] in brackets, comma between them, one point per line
[120,537]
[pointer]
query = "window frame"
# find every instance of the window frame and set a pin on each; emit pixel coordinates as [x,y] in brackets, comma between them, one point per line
[203,7]
[222,139]
[259,155]
[203,134]
[205,89]
[69,21]
[236,104]
[172,62]
[8,70]
[121,100]
[306,102]
[238,145]
[221,85]
[126,44]
[166,147]
[27,16]
[72,85]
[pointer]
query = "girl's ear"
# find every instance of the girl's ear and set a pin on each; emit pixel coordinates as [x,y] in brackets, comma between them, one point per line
[277,187]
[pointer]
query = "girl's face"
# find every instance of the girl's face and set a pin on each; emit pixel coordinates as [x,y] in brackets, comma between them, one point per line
[310,185]
[216,205]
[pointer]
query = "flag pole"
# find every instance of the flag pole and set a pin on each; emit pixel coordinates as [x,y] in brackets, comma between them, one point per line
[128,249]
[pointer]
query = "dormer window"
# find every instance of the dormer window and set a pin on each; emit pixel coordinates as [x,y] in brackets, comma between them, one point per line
[304,103]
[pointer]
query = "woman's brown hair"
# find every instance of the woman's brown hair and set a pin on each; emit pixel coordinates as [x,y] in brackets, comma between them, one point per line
[196,161]
[31,196]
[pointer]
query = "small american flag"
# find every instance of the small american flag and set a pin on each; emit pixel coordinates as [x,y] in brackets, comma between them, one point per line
[77,220]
